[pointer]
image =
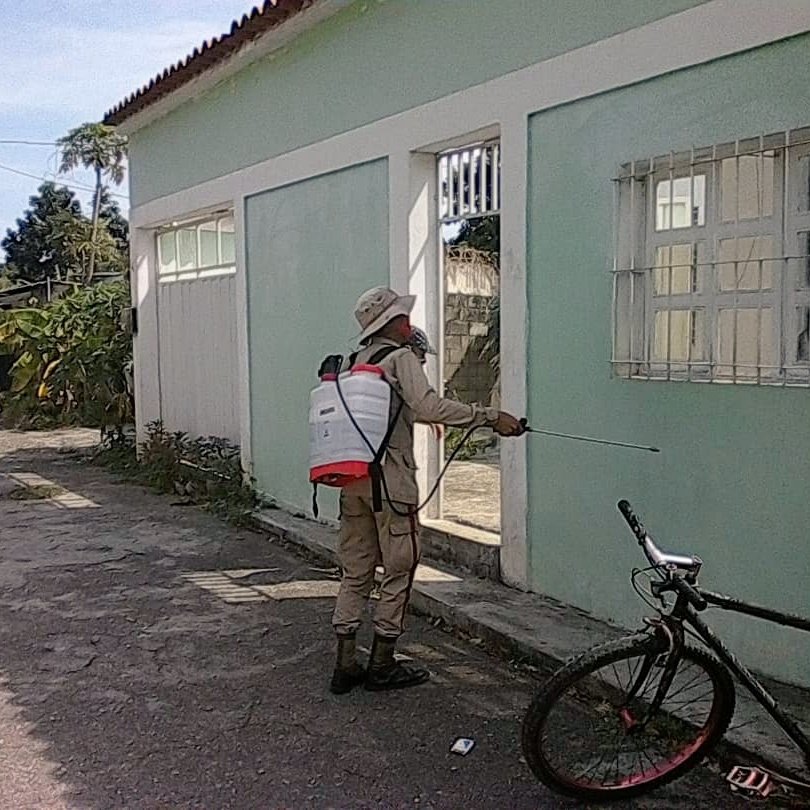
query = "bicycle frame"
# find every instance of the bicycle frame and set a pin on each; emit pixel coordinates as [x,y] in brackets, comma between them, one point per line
[684,612]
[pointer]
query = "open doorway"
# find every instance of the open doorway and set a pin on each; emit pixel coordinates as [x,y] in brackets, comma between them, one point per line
[469,350]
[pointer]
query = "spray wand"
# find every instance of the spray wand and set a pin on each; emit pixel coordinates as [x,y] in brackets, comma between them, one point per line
[576,438]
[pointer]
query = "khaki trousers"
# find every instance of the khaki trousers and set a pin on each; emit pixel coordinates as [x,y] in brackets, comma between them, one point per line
[366,540]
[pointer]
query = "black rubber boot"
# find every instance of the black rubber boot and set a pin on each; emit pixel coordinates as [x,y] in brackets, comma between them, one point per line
[348,673]
[385,672]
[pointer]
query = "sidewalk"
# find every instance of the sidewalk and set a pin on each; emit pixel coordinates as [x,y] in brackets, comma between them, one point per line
[544,633]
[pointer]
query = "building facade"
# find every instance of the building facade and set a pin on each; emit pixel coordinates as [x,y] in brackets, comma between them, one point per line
[654,286]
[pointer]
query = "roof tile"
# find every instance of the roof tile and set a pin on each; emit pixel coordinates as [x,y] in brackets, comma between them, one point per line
[261,19]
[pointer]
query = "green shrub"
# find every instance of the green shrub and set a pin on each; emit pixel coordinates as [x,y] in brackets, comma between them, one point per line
[205,471]
[72,360]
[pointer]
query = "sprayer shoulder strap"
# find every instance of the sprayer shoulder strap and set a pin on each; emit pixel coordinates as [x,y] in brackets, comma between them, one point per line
[375,468]
[375,358]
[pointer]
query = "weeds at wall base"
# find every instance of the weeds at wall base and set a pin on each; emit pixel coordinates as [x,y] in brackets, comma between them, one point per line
[203,471]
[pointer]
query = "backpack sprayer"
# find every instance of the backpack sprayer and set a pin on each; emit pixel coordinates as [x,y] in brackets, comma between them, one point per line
[351,420]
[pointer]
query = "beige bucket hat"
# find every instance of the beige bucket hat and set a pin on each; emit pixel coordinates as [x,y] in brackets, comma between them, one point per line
[379,305]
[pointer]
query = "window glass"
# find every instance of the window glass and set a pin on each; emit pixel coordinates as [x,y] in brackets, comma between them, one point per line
[167,250]
[227,242]
[751,330]
[746,187]
[679,336]
[738,263]
[680,203]
[803,182]
[677,270]
[803,335]
[187,248]
[208,244]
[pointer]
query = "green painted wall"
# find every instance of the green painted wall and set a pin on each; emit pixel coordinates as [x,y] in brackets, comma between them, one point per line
[733,481]
[371,60]
[312,248]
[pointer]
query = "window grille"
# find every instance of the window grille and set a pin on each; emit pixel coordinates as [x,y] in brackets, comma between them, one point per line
[469,182]
[198,249]
[711,275]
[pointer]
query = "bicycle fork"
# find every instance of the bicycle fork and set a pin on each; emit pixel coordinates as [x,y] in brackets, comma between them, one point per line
[674,636]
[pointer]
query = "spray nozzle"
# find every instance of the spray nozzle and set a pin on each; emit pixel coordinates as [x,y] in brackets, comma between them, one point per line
[524,422]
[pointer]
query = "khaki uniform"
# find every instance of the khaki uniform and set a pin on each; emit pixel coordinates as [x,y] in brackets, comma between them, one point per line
[391,537]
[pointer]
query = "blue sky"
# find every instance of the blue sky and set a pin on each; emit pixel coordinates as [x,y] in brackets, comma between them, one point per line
[64,62]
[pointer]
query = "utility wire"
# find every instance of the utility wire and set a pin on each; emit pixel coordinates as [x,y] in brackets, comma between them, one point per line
[29,143]
[59,182]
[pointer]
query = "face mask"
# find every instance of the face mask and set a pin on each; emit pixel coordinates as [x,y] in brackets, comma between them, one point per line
[405,329]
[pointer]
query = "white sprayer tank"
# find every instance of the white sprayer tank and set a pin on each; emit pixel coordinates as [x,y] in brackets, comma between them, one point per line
[338,454]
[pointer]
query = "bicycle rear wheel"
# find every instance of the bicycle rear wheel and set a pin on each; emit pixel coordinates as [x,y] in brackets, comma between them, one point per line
[586,735]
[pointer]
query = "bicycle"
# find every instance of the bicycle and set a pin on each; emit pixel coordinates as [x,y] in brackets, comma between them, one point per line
[654,705]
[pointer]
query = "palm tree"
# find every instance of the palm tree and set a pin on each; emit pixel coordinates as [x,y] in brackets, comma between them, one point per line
[100,148]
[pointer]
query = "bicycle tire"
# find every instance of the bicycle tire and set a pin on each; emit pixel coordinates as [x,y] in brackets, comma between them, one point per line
[553,694]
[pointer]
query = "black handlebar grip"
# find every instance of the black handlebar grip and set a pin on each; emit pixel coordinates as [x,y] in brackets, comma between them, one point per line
[632,520]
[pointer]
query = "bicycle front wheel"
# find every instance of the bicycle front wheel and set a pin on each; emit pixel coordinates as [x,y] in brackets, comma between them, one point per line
[589,732]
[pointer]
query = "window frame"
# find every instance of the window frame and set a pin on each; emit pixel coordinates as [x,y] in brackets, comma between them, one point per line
[638,244]
[797,226]
[197,270]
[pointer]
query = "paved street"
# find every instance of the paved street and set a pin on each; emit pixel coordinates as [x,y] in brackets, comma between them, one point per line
[135,674]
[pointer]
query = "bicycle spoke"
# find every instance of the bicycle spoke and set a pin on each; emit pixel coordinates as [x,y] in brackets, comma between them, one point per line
[651,684]
[688,701]
[596,767]
[615,744]
[687,686]
[630,672]
[649,759]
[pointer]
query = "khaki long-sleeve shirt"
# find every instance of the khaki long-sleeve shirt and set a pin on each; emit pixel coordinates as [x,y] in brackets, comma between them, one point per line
[421,403]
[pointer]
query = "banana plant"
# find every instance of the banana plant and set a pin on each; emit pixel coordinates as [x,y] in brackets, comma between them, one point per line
[72,358]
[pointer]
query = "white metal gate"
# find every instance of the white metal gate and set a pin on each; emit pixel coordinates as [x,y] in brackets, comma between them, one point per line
[197,329]
[199,385]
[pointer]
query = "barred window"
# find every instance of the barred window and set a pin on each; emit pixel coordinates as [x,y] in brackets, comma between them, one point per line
[711,277]
[197,249]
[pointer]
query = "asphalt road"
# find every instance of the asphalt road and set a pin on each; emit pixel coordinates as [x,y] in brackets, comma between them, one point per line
[128,681]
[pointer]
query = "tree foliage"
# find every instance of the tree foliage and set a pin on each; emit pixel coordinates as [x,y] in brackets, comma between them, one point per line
[101,149]
[481,233]
[30,252]
[84,246]
[117,226]
[72,359]
[97,147]
[53,239]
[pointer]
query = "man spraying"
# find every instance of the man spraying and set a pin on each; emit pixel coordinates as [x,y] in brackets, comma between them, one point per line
[391,535]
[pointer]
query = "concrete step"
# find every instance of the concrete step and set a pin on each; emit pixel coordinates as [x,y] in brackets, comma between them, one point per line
[464,548]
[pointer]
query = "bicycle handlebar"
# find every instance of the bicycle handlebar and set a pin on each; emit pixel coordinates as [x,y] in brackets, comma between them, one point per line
[632,520]
[656,557]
